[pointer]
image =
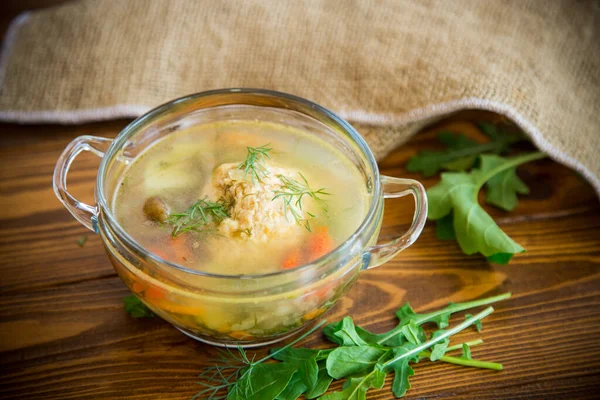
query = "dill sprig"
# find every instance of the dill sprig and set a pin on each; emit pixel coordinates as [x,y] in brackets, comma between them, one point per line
[223,374]
[293,192]
[198,217]
[253,164]
[231,369]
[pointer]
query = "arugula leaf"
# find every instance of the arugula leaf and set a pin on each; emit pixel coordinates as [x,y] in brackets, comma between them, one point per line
[413,333]
[475,229]
[500,258]
[502,189]
[395,337]
[441,317]
[304,361]
[310,372]
[461,153]
[344,333]
[323,382]
[351,360]
[495,133]
[294,389]
[261,382]
[440,348]
[136,308]
[466,352]
[444,228]
[356,388]
[402,370]
[478,324]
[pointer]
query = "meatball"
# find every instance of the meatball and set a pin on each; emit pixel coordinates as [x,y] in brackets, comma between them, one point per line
[155,208]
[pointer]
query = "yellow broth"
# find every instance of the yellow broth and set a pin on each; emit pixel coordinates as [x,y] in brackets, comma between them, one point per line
[180,169]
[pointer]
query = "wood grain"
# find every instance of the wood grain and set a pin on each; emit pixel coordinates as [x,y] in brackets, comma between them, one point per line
[64,334]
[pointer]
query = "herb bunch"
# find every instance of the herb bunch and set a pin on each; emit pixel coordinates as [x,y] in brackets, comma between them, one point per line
[293,192]
[253,164]
[362,358]
[198,217]
[453,202]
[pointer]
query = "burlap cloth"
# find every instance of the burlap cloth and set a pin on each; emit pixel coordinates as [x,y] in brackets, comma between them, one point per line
[388,66]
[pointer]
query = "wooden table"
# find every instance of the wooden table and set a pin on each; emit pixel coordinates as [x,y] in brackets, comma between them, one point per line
[64,333]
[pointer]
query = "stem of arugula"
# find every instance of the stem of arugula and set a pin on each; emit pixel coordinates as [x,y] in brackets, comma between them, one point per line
[460,346]
[465,362]
[512,163]
[458,328]
[450,309]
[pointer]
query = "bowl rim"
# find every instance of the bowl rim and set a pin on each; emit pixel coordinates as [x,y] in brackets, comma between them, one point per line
[132,128]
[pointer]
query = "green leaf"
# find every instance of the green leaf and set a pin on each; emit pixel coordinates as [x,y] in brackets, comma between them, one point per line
[356,388]
[351,360]
[430,163]
[390,338]
[136,308]
[344,333]
[461,153]
[294,389]
[466,352]
[502,189]
[303,360]
[261,382]
[322,384]
[412,332]
[402,370]
[460,164]
[475,229]
[441,317]
[477,324]
[500,258]
[444,228]
[439,349]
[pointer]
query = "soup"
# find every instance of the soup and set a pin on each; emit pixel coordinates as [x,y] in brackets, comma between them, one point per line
[240,198]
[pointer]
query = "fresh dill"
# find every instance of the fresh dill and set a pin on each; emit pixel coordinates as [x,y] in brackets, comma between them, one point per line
[198,217]
[232,371]
[253,164]
[293,192]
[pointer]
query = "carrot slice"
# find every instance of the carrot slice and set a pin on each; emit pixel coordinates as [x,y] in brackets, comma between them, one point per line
[155,293]
[181,249]
[159,252]
[240,335]
[138,287]
[313,314]
[292,260]
[319,243]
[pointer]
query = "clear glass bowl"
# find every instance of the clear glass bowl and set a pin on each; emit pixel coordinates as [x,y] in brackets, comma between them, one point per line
[247,310]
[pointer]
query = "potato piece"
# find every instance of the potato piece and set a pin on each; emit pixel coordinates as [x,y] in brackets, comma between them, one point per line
[155,208]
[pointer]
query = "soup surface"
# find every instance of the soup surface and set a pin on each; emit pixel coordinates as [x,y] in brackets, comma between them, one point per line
[241,197]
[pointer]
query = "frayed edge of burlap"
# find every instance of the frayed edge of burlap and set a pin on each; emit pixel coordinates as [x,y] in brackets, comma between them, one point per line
[413,116]
[9,40]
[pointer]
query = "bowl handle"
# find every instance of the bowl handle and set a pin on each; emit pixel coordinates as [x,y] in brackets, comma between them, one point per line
[82,212]
[393,188]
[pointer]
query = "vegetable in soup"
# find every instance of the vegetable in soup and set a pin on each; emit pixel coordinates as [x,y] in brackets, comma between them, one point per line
[241,197]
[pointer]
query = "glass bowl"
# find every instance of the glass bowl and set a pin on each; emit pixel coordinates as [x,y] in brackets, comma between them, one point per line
[246,310]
